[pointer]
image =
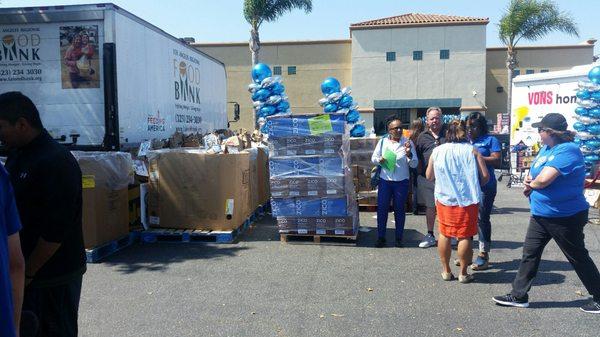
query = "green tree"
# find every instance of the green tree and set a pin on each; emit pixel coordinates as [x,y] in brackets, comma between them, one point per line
[530,20]
[258,11]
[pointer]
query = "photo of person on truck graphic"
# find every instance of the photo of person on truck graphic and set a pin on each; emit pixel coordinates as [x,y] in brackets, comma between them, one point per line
[79,56]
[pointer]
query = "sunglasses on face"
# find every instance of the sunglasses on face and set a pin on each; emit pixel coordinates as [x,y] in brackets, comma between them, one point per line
[542,129]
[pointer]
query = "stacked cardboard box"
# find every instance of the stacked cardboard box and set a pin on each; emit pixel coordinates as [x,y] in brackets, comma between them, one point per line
[106,176]
[311,184]
[361,150]
[192,189]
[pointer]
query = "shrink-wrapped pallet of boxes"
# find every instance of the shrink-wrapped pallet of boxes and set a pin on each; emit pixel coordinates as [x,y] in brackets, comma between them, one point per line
[105,180]
[361,150]
[312,192]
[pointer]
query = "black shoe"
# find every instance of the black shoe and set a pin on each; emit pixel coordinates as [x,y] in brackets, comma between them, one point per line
[593,307]
[380,243]
[509,300]
[399,243]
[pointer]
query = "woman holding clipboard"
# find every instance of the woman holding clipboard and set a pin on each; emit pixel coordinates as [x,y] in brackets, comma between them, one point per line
[395,154]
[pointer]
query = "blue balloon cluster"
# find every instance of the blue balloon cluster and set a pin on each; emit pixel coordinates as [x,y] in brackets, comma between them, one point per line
[588,119]
[338,100]
[268,95]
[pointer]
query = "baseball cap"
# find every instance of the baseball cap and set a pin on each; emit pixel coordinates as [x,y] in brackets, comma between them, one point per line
[554,121]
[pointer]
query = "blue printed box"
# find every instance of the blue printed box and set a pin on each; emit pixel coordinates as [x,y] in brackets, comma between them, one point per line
[307,166]
[331,166]
[308,207]
[299,125]
[283,207]
[334,207]
[282,167]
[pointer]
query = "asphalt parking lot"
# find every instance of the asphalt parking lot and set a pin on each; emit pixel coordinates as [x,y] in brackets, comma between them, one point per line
[262,287]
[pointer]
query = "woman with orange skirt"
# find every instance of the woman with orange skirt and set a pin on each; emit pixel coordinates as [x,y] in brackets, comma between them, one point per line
[459,172]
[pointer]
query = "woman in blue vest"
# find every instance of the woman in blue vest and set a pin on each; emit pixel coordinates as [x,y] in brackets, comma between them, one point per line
[559,211]
[489,148]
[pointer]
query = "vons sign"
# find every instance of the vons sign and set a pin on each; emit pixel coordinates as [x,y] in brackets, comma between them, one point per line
[21,47]
[187,81]
[549,97]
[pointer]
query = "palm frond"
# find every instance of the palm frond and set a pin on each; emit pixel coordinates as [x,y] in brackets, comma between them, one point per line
[532,20]
[257,11]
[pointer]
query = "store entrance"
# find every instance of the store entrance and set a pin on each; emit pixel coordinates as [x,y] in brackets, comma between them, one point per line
[381,116]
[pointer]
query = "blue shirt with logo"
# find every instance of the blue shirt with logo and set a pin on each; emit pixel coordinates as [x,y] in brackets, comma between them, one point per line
[564,196]
[486,145]
[9,225]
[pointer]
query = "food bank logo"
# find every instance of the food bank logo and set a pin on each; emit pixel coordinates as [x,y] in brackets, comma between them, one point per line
[20,47]
[156,123]
[187,82]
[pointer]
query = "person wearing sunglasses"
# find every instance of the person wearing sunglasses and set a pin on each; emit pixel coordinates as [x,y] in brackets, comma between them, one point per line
[559,211]
[395,154]
[489,148]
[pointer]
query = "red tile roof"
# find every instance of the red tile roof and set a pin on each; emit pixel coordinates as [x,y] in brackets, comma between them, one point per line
[415,19]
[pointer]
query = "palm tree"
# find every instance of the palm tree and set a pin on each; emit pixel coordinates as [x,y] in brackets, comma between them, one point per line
[530,20]
[257,11]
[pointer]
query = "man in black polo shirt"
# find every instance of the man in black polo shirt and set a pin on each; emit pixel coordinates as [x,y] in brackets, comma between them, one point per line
[426,142]
[47,183]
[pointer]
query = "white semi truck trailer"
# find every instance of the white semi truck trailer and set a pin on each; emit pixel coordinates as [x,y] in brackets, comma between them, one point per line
[105,79]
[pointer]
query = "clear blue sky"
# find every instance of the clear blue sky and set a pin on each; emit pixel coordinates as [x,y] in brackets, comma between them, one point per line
[223,21]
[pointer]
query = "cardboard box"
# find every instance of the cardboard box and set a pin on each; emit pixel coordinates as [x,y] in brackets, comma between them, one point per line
[277,146]
[306,224]
[284,207]
[363,144]
[331,144]
[262,163]
[105,212]
[315,186]
[286,223]
[312,145]
[253,185]
[335,185]
[296,187]
[279,187]
[292,145]
[190,189]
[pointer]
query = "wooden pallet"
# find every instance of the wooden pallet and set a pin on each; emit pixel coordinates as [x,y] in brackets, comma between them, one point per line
[96,254]
[154,235]
[316,238]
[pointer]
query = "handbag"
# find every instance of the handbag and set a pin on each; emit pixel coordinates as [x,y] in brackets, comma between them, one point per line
[376,171]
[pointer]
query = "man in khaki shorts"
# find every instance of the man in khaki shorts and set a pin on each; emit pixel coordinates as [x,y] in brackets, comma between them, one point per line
[426,142]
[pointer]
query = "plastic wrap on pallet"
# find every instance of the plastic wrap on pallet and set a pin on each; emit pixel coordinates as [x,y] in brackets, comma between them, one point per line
[117,167]
[311,182]
[361,150]
[306,125]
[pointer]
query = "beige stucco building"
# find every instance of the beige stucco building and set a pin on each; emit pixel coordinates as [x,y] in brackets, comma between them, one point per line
[395,66]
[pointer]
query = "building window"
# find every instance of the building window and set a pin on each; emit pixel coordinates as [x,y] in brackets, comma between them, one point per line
[277,70]
[444,54]
[529,71]
[499,89]
[390,56]
[292,70]
[544,71]
[516,72]
[417,55]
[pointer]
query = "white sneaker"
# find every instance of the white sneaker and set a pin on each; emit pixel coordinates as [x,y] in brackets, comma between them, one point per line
[428,241]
